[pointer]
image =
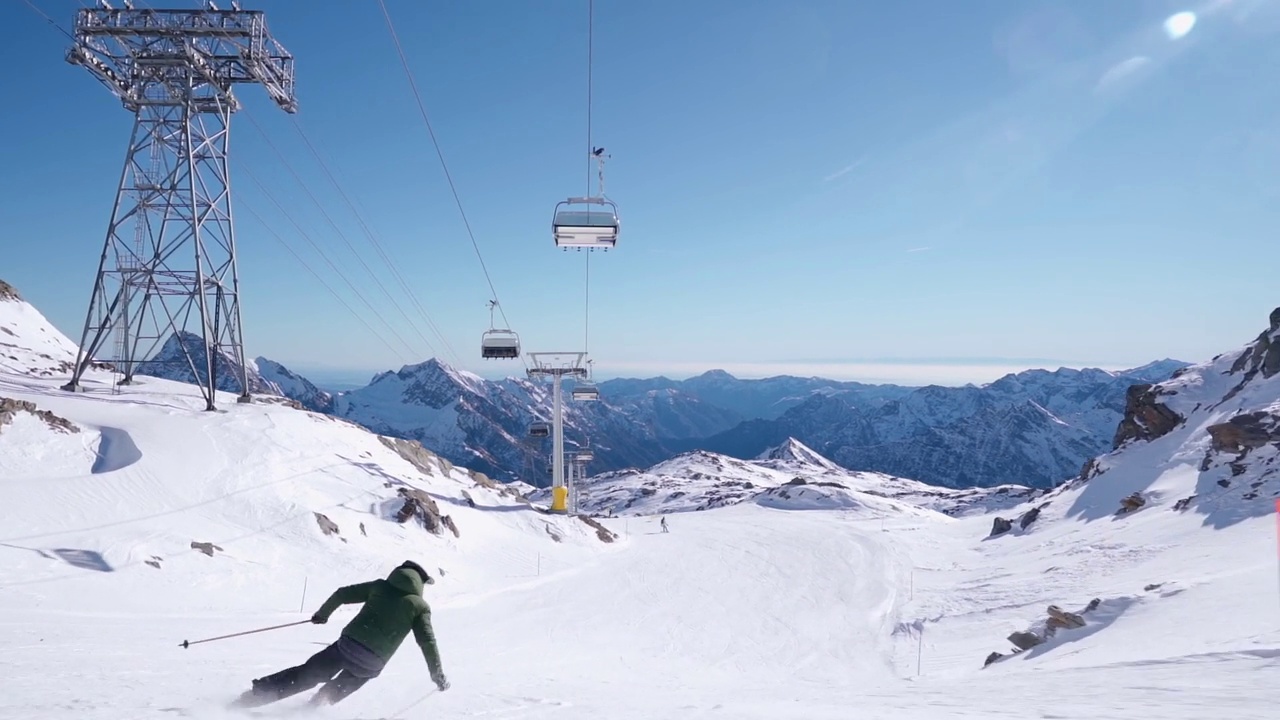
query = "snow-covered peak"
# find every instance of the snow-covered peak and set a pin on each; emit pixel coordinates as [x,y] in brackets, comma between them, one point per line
[1156,371]
[29,343]
[792,450]
[292,385]
[433,371]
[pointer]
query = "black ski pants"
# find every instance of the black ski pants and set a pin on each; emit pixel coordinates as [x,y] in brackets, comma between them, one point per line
[327,666]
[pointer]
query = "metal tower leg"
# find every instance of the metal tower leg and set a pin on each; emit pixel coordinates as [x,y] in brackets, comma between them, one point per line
[173,207]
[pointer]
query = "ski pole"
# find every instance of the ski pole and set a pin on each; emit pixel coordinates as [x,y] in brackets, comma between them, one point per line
[189,643]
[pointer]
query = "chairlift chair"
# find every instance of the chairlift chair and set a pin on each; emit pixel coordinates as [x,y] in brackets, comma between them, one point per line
[586,391]
[539,429]
[499,344]
[590,227]
[585,455]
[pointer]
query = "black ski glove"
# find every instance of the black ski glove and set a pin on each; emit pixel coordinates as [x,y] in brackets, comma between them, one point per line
[318,619]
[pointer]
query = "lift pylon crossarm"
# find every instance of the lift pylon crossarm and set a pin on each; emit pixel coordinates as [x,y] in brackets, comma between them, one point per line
[132,51]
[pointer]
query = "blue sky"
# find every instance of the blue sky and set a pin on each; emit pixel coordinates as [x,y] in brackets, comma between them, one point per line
[912,191]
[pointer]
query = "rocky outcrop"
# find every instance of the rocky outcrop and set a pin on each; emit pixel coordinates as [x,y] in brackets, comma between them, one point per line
[1145,417]
[10,408]
[1055,619]
[1131,503]
[1245,432]
[418,504]
[8,292]
[1003,525]
[602,532]
[327,526]
[426,462]
[1261,357]
[207,548]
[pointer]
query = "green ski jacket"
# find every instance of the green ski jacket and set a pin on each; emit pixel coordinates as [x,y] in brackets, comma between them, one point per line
[392,607]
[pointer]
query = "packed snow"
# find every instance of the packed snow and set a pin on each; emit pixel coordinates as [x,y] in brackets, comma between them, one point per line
[200,524]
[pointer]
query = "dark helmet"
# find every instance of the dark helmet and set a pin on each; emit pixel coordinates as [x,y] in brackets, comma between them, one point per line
[426,579]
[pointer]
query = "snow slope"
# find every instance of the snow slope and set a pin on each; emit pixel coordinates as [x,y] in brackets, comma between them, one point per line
[743,611]
[29,344]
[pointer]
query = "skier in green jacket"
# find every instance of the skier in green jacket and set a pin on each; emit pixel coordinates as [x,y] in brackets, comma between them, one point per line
[392,607]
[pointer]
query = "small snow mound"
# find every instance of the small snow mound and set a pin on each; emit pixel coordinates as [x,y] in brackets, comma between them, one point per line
[824,496]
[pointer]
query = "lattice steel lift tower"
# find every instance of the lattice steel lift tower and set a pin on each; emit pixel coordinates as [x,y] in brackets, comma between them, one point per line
[557,365]
[169,260]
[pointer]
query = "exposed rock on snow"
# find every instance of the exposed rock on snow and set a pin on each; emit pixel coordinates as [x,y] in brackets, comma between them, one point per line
[418,504]
[9,408]
[1145,417]
[327,526]
[1245,432]
[205,547]
[602,532]
[1055,619]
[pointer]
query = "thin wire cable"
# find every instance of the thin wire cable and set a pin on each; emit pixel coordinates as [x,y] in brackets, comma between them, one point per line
[413,85]
[50,20]
[341,235]
[586,303]
[271,231]
[372,239]
[376,244]
[306,236]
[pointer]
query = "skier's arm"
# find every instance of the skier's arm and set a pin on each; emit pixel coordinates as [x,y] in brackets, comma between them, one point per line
[426,638]
[357,593]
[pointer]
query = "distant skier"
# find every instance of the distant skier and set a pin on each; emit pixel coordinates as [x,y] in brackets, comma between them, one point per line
[664,524]
[392,607]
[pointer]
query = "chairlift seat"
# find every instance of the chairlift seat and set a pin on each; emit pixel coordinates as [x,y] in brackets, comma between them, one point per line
[586,456]
[586,392]
[539,429]
[503,344]
[586,228]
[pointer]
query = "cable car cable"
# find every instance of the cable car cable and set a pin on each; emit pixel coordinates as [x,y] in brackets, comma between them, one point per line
[413,85]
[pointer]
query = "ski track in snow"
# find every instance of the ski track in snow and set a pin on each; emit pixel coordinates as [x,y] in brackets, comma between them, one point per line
[859,608]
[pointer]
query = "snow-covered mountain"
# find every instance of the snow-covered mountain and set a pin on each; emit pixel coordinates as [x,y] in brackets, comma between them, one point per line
[285,382]
[29,344]
[485,424]
[701,480]
[756,398]
[264,376]
[1035,428]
